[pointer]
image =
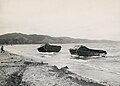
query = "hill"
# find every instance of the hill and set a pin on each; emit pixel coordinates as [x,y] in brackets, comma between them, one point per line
[19,38]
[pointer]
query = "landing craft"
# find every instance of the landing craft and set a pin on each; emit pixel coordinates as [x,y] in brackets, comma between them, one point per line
[84,51]
[49,48]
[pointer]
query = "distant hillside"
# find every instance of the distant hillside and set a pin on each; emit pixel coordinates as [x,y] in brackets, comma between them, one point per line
[18,38]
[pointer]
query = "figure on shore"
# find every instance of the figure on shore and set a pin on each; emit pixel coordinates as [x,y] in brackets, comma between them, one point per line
[2,49]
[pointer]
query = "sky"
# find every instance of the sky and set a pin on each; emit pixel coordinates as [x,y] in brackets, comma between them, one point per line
[86,19]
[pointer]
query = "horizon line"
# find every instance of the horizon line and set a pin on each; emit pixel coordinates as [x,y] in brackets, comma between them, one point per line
[59,36]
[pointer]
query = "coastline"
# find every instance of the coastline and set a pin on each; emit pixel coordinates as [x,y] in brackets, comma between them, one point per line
[16,70]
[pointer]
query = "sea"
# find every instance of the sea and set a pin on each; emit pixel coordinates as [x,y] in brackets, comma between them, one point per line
[102,69]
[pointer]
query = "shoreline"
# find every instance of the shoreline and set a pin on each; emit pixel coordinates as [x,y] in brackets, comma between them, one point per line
[16,70]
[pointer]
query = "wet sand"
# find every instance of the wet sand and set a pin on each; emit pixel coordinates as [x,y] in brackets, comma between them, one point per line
[17,70]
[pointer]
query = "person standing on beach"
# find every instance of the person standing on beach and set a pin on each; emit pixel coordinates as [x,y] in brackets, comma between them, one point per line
[2,49]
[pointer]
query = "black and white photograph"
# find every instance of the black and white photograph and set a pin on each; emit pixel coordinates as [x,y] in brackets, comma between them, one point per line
[59,42]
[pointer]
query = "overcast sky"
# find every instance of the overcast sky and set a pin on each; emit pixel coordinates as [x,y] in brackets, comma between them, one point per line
[89,19]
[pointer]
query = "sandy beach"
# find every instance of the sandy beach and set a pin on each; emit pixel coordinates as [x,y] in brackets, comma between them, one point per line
[16,70]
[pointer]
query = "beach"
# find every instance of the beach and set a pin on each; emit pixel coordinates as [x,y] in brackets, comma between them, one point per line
[100,69]
[59,43]
[16,70]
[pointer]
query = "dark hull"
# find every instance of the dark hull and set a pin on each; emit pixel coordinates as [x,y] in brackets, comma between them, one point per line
[87,52]
[49,48]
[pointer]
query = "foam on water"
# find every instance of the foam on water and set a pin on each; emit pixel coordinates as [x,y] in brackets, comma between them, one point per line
[99,68]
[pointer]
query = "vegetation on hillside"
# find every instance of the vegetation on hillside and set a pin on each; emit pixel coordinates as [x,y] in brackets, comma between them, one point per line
[18,38]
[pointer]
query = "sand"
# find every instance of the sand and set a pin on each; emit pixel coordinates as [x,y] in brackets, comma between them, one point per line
[16,70]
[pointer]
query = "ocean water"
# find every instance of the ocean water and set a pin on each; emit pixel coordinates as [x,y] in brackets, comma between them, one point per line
[102,69]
